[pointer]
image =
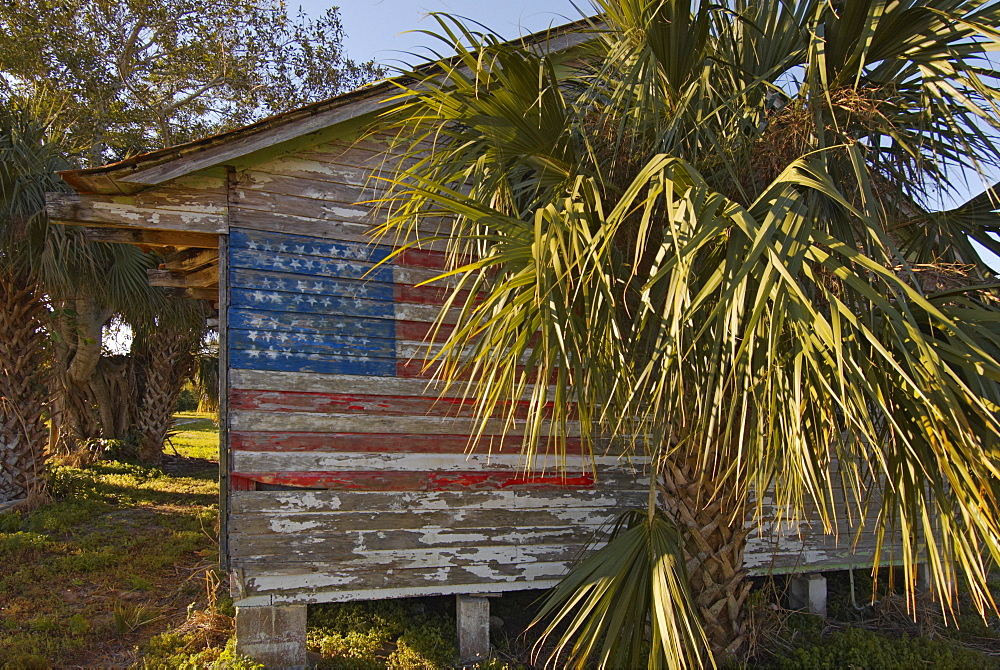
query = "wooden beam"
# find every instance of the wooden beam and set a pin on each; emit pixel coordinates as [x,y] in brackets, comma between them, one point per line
[206,293]
[152,238]
[199,279]
[131,212]
[188,260]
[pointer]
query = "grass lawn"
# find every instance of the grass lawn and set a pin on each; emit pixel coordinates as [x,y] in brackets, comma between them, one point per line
[119,553]
[195,435]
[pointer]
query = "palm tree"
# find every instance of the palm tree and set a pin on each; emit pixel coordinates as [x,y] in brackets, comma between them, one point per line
[711,227]
[28,159]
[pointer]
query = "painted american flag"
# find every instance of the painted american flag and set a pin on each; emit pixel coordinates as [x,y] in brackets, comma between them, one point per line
[326,349]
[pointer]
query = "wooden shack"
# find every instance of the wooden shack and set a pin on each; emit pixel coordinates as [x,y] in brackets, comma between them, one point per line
[342,478]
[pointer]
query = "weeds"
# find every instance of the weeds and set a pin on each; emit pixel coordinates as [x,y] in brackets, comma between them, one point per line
[106,561]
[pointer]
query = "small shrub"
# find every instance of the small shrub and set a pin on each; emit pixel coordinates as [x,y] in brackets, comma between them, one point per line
[404,635]
[863,649]
[188,399]
[129,617]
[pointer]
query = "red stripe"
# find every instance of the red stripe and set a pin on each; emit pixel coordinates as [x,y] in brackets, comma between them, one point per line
[418,331]
[421,481]
[427,295]
[422,258]
[355,403]
[383,443]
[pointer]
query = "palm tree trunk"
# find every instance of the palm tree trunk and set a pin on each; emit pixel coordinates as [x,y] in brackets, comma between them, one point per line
[79,393]
[169,362]
[23,391]
[715,540]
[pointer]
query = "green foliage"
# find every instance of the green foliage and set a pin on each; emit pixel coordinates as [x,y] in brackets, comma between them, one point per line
[705,228]
[130,76]
[170,651]
[187,399]
[866,650]
[406,635]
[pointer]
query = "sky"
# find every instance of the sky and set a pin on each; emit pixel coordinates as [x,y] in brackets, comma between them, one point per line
[383,30]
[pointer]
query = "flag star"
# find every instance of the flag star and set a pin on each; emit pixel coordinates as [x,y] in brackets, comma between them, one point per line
[288,354]
[318,286]
[326,302]
[317,338]
[267,336]
[282,248]
[278,263]
[253,335]
[316,251]
[258,296]
[295,263]
[302,286]
[311,300]
[252,245]
[272,354]
[283,338]
[297,299]
[275,297]
[309,265]
[267,246]
[254,353]
[300,248]
[280,285]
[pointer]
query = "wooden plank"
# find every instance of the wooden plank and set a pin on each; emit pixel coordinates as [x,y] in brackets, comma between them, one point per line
[248,319]
[225,434]
[430,480]
[341,184]
[188,260]
[398,442]
[317,527]
[267,503]
[271,359]
[331,228]
[171,278]
[153,238]
[312,382]
[251,461]
[310,597]
[195,293]
[295,579]
[313,285]
[289,549]
[355,403]
[118,211]
[253,548]
[352,423]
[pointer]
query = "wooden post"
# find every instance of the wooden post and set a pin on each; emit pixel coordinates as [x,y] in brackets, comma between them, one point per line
[473,614]
[273,635]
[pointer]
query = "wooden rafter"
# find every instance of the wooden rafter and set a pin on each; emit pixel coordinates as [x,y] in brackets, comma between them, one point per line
[189,260]
[203,278]
[152,238]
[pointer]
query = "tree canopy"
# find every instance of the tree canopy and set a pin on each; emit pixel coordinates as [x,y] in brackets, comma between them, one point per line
[708,228]
[129,76]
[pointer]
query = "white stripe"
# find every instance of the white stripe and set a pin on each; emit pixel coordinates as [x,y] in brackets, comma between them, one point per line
[374,423]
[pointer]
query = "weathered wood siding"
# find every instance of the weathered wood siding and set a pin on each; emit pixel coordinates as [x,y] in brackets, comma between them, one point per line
[327,393]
